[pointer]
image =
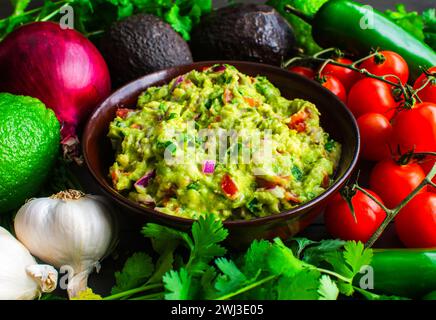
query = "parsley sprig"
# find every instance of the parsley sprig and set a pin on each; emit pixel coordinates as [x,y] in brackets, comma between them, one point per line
[93,17]
[196,265]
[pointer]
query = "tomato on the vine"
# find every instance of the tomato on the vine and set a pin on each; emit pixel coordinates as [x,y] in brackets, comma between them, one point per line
[340,222]
[394,182]
[375,134]
[387,62]
[304,71]
[334,85]
[416,222]
[415,129]
[371,95]
[347,76]
[428,93]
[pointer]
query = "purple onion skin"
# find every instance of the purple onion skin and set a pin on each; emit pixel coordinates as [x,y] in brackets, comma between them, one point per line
[62,68]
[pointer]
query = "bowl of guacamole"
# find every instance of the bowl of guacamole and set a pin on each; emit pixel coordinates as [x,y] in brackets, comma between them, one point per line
[251,144]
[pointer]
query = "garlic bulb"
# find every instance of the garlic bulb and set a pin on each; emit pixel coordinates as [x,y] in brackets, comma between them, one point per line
[70,230]
[21,278]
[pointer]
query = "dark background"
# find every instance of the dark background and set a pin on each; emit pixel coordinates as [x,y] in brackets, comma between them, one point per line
[418,5]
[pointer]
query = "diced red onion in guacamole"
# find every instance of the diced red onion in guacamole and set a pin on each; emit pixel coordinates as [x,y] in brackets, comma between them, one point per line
[219,68]
[209,166]
[143,182]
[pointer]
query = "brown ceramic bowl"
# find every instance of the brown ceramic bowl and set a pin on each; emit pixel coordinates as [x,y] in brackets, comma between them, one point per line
[335,119]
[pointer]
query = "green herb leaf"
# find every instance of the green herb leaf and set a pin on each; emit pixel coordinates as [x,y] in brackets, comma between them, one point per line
[281,260]
[429,20]
[161,236]
[409,20]
[328,290]
[256,258]
[302,30]
[135,272]
[301,244]
[231,279]
[207,233]
[164,263]
[357,256]
[177,284]
[302,286]
[315,254]
[182,24]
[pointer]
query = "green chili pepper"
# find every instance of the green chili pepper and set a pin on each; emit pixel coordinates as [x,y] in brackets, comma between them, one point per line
[404,272]
[358,29]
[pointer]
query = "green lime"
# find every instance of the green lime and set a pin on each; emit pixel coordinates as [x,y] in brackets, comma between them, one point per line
[29,143]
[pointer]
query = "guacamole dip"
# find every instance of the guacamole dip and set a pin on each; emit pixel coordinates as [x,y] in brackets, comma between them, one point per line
[274,154]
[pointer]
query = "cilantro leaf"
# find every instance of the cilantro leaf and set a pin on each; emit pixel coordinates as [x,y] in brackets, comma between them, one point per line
[135,272]
[181,24]
[357,256]
[281,260]
[207,233]
[231,279]
[164,263]
[161,236]
[328,290]
[349,263]
[177,285]
[302,286]
[316,253]
[301,244]
[207,283]
[410,21]
[255,259]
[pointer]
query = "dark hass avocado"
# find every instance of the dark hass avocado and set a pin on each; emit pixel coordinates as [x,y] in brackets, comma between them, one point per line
[243,32]
[142,44]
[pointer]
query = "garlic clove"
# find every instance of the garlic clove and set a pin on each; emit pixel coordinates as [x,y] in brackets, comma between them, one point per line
[46,276]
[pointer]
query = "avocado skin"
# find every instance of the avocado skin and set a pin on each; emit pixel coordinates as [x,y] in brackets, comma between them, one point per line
[243,32]
[142,44]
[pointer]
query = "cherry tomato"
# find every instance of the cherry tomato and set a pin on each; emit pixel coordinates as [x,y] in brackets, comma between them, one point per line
[347,77]
[387,62]
[426,165]
[229,186]
[416,222]
[394,182]
[340,222]
[304,71]
[375,134]
[415,128]
[428,93]
[371,95]
[334,85]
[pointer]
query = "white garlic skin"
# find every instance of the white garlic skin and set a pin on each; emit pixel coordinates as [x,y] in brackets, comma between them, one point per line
[18,269]
[67,232]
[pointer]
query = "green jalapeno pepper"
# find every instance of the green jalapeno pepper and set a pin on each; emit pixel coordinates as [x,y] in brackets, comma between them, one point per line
[359,28]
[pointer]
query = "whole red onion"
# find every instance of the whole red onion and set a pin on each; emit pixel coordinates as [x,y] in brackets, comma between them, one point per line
[60,67]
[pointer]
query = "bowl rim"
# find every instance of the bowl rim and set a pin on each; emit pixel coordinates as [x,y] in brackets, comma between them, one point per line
[284,215]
